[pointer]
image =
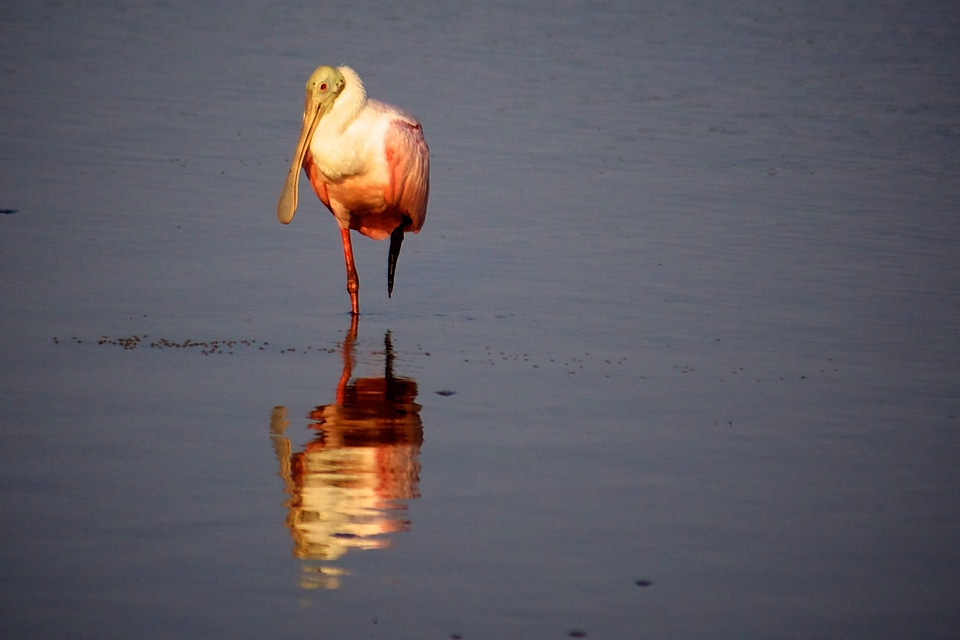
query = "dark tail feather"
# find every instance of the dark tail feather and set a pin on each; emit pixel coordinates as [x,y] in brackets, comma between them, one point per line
[396,239]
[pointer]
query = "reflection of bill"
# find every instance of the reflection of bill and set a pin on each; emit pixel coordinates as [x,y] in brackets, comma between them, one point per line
[345,485]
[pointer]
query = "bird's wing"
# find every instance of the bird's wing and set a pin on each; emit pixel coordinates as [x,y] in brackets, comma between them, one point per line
[409,160]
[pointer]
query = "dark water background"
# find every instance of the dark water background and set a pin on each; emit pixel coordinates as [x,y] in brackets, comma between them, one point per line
[692,271]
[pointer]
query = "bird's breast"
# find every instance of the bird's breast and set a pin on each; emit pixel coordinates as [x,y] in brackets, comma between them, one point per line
[356,150]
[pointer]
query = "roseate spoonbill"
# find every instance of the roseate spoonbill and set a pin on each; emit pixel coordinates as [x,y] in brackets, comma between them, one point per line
[366,160]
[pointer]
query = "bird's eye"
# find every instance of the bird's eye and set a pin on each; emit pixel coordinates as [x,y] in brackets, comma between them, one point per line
[323,86]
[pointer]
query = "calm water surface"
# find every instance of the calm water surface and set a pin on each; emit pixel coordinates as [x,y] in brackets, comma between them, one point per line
[676,355]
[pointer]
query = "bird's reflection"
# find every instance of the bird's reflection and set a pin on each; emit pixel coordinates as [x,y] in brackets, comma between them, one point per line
[348,485]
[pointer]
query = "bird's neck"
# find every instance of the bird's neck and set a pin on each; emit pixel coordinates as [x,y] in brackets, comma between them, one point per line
[349,103]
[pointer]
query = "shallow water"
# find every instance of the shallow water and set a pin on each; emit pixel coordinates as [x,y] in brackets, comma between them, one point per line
[675,355]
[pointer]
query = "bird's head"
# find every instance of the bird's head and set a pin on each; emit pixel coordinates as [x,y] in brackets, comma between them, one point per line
[323,87]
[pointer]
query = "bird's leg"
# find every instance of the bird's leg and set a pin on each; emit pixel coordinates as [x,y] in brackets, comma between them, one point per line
[396,239]
[353,280]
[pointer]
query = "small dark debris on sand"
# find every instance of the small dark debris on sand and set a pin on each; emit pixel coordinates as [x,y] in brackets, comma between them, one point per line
[204,347]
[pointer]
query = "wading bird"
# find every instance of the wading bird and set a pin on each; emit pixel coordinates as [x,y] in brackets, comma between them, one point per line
[367,162]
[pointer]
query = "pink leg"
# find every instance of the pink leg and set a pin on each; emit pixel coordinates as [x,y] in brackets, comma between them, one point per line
[353,280]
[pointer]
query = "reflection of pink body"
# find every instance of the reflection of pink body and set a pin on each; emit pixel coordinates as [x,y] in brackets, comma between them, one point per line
[380,416]
[344,485]
[367,161]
